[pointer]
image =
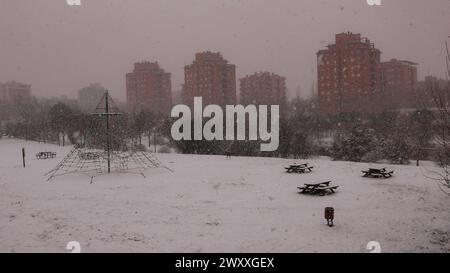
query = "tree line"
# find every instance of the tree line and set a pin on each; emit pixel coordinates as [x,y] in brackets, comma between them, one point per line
[393,136]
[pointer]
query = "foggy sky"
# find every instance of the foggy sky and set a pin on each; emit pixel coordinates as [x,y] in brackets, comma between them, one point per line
[59,49]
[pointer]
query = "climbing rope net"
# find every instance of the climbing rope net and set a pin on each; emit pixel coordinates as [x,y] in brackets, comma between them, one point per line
[93,162]
[106,147]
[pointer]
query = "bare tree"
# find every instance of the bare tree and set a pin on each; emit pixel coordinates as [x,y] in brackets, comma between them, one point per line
[447,59]
[441,97]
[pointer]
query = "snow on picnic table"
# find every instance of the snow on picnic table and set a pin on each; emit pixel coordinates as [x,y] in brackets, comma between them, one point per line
[211,204]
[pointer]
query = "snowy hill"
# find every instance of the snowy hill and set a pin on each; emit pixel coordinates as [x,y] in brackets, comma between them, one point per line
[211,204]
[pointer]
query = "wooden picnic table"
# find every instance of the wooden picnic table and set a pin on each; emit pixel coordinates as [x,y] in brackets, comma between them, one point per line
[299,165]
[301,168]
[378,173]
[321,184]
[321,188]
[45,155]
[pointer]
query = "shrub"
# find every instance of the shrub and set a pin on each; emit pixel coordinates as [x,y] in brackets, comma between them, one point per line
[354,145]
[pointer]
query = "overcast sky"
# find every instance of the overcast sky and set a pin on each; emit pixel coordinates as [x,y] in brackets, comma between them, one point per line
[59,49]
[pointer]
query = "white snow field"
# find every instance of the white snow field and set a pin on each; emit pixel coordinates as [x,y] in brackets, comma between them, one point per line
[211,204]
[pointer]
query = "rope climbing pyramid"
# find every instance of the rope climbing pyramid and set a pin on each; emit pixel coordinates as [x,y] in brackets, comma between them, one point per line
[106,148]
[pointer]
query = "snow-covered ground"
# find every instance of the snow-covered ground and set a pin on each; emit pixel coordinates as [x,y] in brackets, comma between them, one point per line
[211,204]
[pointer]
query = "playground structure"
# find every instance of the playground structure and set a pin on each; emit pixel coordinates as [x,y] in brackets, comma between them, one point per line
[105,148]
[94,162]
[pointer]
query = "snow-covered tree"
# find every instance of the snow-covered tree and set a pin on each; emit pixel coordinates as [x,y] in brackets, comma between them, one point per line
[396,149]
[60,116]
[420,128]
[442,100]
[354,145]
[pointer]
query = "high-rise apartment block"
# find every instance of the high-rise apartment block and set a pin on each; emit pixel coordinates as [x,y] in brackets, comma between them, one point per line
[211,77]
[149,88]
[349,75]
[14,92]
[263,88]
[399,81]
[89,97]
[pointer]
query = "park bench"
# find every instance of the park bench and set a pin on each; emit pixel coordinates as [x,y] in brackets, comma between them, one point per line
[321,188]
[378,173]
[301,168]
[45,155]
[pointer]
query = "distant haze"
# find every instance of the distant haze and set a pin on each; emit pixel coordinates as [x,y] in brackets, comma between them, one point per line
[59,49]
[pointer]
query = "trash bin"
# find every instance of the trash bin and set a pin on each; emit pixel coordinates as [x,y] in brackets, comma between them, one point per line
[329,215]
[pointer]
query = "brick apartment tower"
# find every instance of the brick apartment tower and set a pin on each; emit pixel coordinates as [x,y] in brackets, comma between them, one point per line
[211,77]
[263,88]
[399,79]
[14,92]
[149,88]
[90,96]
[349,76]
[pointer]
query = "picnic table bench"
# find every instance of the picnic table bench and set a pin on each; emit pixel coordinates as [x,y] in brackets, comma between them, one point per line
[378,173]
[301,168]
[321,188]
[45,155]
